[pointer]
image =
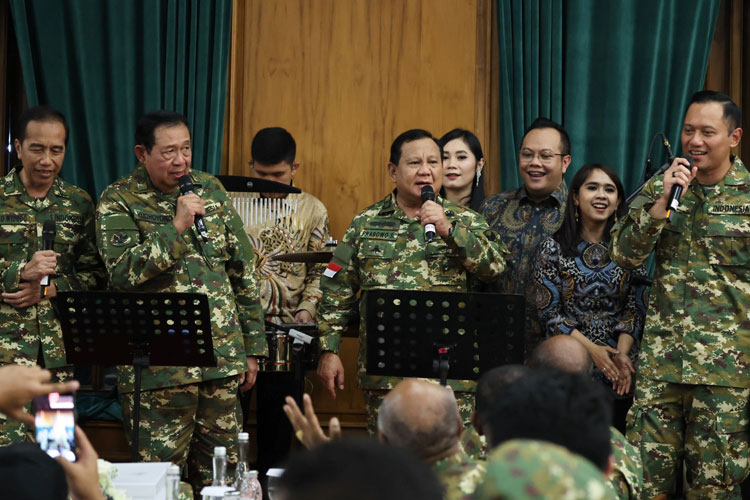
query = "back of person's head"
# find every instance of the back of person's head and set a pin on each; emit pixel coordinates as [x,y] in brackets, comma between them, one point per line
[492,383]
[421,417]
[543,122]
[358,468]
[28,473]
[39,114]
[148,123]
[563,353]
[273,145]
[568,409]
[410,136]
[732,114]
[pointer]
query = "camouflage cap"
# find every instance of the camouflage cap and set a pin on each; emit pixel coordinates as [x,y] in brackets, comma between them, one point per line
[525,469]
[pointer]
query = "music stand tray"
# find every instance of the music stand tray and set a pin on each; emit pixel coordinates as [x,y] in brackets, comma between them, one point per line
[136,329]
[442,334]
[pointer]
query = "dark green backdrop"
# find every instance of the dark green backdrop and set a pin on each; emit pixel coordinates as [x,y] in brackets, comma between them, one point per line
[103,63]
[613,72]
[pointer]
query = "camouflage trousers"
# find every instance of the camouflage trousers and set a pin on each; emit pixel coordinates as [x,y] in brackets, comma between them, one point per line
[704,426]
[183,424]
[374,397]
[13,431]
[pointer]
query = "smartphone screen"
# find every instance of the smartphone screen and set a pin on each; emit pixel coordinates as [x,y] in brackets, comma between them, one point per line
[55,420]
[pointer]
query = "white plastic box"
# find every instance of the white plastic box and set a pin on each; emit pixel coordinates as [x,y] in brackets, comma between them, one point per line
[142,481]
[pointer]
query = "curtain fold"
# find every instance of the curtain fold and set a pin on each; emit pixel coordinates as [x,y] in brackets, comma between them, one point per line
[104,63]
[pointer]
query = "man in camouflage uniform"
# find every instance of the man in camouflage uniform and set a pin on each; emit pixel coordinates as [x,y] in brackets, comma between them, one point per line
[423,417]
[385,248]
[30,195]
[691,398]
[526,216]
[523,469]
[148,243]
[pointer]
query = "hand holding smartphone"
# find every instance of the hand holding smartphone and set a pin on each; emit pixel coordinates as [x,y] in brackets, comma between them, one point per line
[55,421]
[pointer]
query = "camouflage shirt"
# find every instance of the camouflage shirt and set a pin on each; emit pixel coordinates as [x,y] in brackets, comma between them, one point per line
[384,249]
[143,252]
[522,469]
[626,480]
[459,474]
[78,267]
[523,225]
[295,223]
[698,325]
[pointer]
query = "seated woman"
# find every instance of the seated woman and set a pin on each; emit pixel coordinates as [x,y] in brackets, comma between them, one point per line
[580,292]
[463,162]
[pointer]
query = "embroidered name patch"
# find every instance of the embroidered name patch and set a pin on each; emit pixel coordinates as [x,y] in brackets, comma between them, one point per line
[729,209]
[375,234]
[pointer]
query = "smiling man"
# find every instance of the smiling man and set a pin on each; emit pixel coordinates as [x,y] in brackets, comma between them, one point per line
[30,195]
[526,216]
[385,248]
[146,234]
[693,373]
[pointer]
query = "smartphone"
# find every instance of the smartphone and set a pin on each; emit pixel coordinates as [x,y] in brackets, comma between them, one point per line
[55,420]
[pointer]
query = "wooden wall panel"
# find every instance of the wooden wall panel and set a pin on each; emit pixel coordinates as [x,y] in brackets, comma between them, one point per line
[346,76]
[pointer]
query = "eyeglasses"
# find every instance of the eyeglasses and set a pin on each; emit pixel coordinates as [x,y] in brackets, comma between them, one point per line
[545,156]
[171,153]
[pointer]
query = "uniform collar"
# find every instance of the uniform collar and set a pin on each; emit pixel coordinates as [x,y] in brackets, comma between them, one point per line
[737,175]
[13,186]
[390,206]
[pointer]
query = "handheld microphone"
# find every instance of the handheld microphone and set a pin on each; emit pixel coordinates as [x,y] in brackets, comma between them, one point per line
[428,194]
[674,196]
[49,230]
[186,187]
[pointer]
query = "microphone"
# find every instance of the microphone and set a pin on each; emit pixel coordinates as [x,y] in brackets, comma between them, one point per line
[428,194]
[674,196]
[186,187]
[49,230]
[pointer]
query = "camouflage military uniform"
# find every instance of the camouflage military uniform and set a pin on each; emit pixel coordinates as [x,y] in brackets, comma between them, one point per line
[693,380]
[24,331]
[626,480]
[459,474]
[384,249]
[144,252]
[523,469]
[523,225]
[472,443]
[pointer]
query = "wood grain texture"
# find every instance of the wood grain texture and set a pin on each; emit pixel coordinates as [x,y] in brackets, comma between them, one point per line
[346,76]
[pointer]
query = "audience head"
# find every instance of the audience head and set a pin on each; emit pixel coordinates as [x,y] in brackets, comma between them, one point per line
[710,130]
[273,151]
[362,469]
[421,417]
[40,146]
[563,353]
[416,160]
[595,196]
[544,157]
[490,386]
[463,163]
[162,141]
[567,409]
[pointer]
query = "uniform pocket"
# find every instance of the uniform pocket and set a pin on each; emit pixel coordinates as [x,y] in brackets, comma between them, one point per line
[375,257]
[13,241]
[444,266]
[732,433]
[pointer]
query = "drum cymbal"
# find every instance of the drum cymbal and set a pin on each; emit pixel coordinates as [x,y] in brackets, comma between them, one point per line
[321,257]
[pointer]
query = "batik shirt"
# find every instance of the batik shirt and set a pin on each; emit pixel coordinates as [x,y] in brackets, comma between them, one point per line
[523,225]
[79,268]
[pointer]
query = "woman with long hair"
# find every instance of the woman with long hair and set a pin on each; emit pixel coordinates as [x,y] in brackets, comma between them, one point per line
[580,292]
[463,162]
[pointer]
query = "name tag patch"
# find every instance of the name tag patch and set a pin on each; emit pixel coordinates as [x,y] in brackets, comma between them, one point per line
[743,209]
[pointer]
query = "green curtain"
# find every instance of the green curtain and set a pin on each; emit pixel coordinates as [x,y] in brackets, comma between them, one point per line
[105,63]
[613,72]
[530,35]
[630,68]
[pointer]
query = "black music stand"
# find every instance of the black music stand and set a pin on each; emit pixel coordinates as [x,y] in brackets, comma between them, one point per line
[240,184]
[436,334]
[136,329]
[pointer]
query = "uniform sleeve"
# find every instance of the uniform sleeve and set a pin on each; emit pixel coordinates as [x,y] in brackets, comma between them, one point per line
[10,274]
[130,259]
[635,236]
[338,306]
[320,231]
[479,248]
[90,273]
[241,266]
[547,293]
[633,315]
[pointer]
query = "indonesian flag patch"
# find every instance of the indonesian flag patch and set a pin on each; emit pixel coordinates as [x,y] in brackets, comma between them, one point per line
[331,270]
